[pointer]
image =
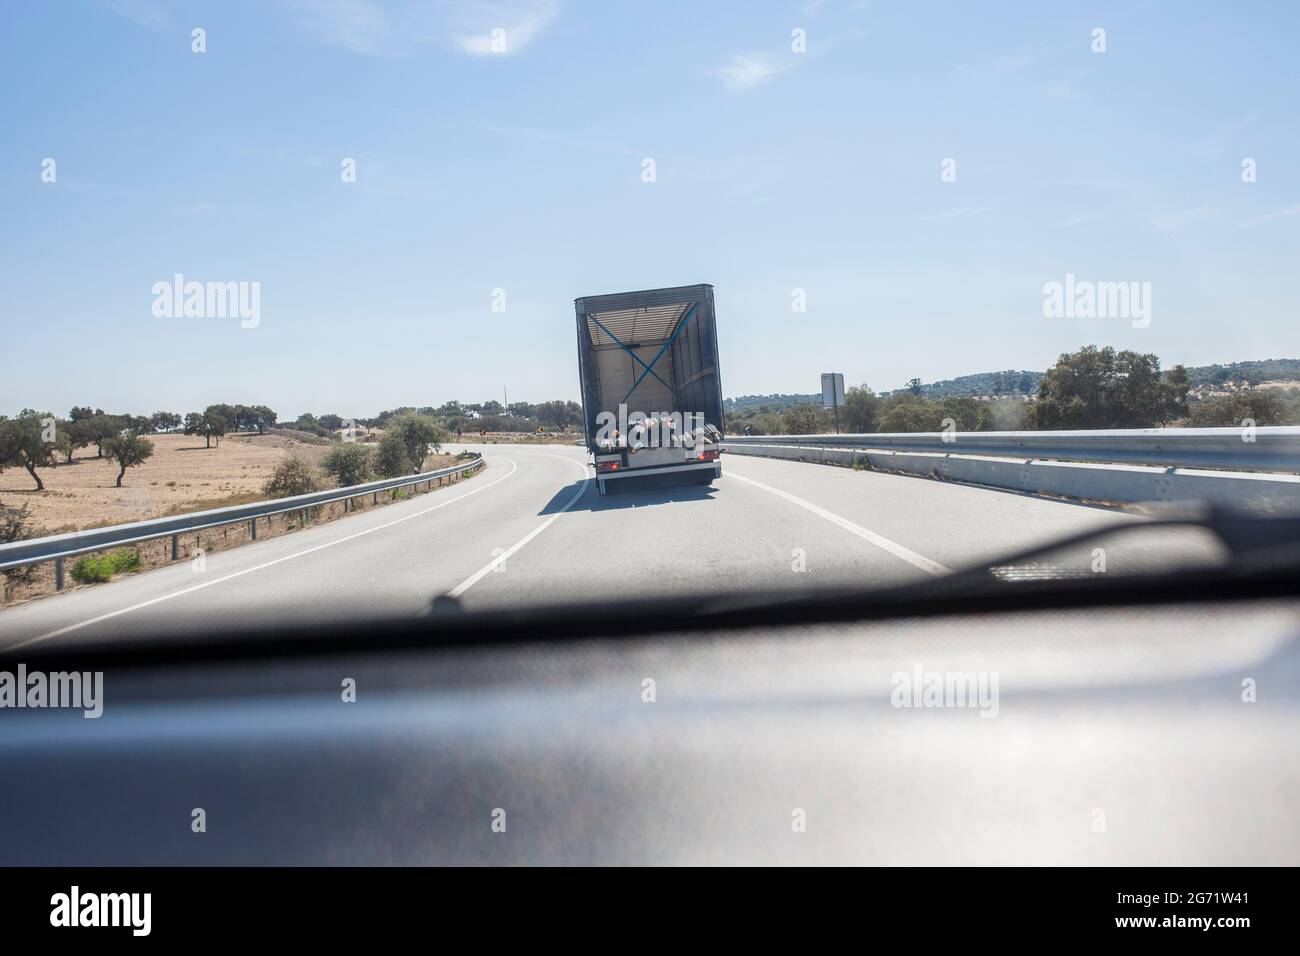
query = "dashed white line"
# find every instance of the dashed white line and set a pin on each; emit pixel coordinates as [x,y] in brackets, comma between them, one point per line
[893,547]
[263,566]
[492,565]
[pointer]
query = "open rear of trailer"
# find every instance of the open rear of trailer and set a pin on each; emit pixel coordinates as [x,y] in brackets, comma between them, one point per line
[651,390]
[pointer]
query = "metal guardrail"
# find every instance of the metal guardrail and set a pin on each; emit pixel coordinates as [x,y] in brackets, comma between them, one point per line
[1243,491]
[60,546]
[1270,448]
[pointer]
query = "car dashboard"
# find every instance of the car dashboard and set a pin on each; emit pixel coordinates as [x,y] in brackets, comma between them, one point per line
[1157,733]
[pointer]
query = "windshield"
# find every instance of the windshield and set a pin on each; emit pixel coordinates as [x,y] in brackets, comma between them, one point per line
[314,314]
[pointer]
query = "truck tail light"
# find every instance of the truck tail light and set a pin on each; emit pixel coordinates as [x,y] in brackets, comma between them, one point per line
[709,454]
[607,466]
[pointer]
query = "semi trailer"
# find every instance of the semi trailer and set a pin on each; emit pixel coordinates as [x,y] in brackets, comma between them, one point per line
[651,390]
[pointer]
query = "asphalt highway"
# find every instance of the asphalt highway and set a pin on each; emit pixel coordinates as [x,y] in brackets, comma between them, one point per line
[530,529]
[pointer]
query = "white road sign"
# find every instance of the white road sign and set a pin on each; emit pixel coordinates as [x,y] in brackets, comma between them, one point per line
[832,389]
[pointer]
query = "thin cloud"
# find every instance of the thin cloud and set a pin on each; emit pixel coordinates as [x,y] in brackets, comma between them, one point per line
[1226,136]
[149,14]
[1178,220]
[747,71]
[1283,213]
[397,29]
[978,211]
[1064,89]
[519,25]
[360,26]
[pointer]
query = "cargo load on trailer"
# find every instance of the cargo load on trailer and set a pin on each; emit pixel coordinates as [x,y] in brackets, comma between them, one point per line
[651,390]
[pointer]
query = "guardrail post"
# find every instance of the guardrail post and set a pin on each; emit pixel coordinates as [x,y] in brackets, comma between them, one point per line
[176,546]
[374,499]
[252,527]
[58,574]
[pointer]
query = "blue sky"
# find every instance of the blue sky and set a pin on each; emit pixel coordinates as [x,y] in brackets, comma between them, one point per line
[522,170]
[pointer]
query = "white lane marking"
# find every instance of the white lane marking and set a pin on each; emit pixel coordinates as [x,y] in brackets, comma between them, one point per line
[488,568]
[893,547]
[260,567]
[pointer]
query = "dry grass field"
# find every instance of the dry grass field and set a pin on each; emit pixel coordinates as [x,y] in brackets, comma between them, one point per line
[181,476]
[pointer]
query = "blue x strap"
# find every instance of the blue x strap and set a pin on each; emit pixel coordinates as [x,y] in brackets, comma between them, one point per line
[649,369]
[628,349]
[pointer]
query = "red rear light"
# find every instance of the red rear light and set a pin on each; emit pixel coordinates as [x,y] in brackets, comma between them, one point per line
[607,466]
[709,454]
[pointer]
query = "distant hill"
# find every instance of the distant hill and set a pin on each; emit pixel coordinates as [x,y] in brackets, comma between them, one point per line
[1013,382]
[982,383]
[1009,382]
[1262,370]
[773,402]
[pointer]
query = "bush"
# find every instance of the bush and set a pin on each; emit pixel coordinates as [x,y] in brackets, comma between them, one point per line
[765,423]
[291,477]
[967,414]
[390,459]
[13,527]
[13,524]
[805,420]
[349,463]
[1229,411]
[909,413]
[93,568]
[861,410]
[905,412]
[407,440]
[1011,416]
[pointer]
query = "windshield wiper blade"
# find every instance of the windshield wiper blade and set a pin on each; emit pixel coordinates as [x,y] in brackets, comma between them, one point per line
[1263,558]
[1254,544]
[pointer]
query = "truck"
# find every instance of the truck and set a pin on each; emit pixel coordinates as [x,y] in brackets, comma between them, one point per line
[651,389]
